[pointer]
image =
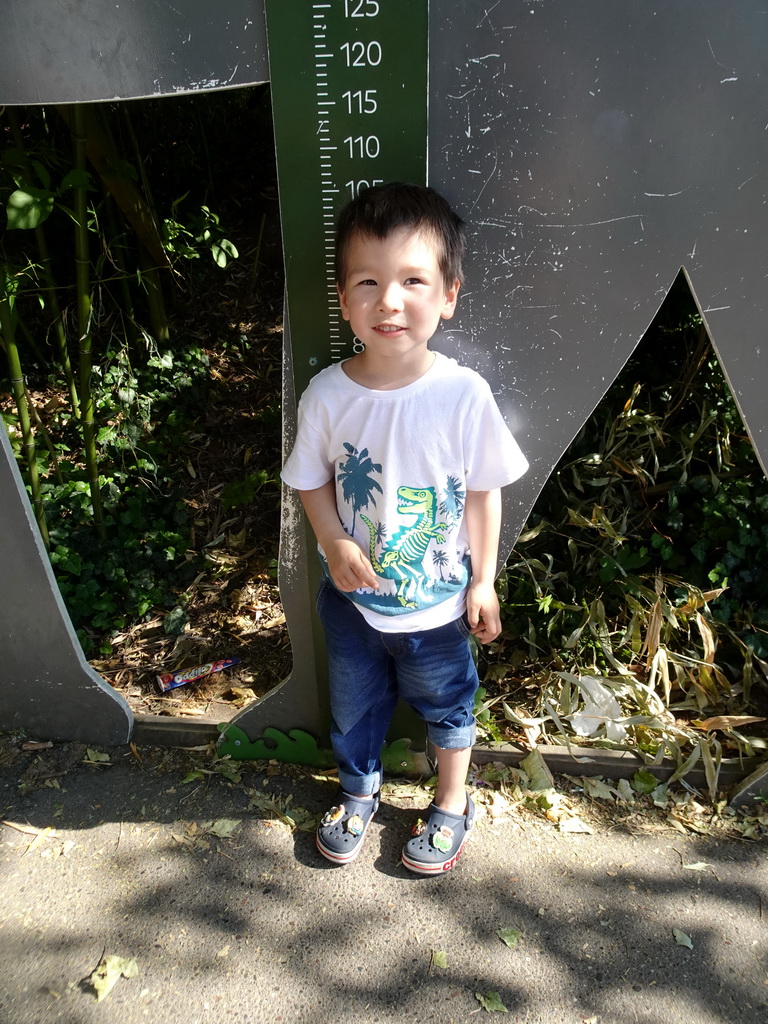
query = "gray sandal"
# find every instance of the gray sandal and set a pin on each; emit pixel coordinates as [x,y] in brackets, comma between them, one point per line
[436,844]
[341,833]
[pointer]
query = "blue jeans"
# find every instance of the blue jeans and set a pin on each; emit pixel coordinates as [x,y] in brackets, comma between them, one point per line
[431,670]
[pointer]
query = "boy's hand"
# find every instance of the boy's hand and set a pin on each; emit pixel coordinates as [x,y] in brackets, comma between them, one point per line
[348,565]
[483,612]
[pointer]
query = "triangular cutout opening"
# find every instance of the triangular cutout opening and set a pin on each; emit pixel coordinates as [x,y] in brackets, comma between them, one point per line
[644,556]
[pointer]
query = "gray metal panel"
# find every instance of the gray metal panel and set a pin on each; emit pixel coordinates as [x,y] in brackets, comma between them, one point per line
[46,685]
[594,149]
[75,51]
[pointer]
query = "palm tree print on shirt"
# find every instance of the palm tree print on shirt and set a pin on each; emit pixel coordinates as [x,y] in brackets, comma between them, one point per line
[440,559]
[453,499]
[357,483]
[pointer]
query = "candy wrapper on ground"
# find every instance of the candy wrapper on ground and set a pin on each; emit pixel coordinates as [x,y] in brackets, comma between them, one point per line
[170,680]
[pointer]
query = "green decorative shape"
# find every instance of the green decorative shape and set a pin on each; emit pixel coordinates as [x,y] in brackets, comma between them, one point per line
[398,758]
[299,747]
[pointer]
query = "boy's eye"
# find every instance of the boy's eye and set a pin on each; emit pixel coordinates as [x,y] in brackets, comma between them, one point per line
[413,280]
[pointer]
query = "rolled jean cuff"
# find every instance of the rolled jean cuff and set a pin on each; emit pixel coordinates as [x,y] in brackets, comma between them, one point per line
[360,785]
[448,738]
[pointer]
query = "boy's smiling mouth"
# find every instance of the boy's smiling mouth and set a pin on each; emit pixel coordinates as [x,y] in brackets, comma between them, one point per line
[389,328]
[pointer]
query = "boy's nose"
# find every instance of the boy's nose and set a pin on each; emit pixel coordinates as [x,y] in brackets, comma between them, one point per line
[391,297]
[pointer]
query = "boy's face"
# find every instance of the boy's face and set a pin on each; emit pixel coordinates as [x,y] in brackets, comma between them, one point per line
[394,294]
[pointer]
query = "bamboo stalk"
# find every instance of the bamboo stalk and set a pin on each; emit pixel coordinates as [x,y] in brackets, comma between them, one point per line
[105,158]
[49,285]
[151,274]
[20,397]
[40,426]
[117,256]
[158,320]
[82,275]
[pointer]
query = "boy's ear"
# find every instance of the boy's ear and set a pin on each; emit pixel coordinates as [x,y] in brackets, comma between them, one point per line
[342,301]
[449,303]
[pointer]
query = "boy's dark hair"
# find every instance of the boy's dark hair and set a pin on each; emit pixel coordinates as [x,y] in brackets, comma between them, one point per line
[378,211]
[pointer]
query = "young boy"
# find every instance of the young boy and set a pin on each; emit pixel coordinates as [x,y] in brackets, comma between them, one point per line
[399,459]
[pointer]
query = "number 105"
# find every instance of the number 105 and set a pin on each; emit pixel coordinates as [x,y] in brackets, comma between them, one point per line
[356,187]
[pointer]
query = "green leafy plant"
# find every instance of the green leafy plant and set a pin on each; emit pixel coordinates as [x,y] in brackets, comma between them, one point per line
[204,232]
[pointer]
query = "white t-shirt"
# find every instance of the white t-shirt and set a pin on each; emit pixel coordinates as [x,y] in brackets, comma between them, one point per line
[402,462]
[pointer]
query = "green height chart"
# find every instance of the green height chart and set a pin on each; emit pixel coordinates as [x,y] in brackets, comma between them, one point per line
[349,95]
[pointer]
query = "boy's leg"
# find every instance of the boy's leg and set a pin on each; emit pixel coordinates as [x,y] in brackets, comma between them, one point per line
[437,676]
[363,692]
[452,768]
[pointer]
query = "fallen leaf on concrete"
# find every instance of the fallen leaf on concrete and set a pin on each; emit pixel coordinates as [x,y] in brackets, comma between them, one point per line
[282,807]
[700,865]
[539,775]
[625,791]
[496,803]
[681,938]
[574,824]
[491,1002]
[510,936]
[660,796]
[224,827]
[597,788]
[644,781]
[28,830]
[439,958]
[95,757]
[44,833]
[108,973]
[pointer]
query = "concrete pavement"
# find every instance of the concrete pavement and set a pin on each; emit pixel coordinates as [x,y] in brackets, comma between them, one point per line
[253,925]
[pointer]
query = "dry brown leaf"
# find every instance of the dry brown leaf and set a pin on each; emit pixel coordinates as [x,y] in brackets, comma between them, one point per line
[707,639]
[29,830]
[725,722]
[44,834]
[697,602]
[278,621]
[109,971]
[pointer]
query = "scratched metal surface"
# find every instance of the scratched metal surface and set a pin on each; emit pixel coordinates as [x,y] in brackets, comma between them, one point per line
[595,149]
[75,51]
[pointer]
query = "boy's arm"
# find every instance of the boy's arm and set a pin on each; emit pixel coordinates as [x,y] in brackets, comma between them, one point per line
[347,564]
[482,511]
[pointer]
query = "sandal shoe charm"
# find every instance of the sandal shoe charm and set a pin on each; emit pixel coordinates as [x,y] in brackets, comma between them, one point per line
[418,828]
[355,825]
[331,817]
[442,840]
